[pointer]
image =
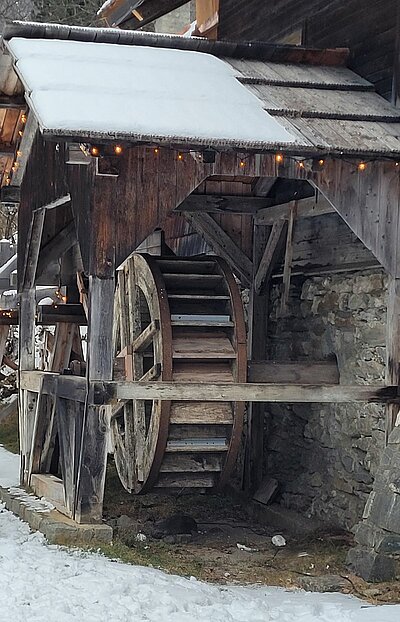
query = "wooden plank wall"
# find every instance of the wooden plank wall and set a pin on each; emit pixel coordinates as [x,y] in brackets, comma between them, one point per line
[139,200]
[43,182]
[368,28]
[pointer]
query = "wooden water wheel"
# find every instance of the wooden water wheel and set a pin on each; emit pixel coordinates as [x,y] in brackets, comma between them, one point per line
[177,319]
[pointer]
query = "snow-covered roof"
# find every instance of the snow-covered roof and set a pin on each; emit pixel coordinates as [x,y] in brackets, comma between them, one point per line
[101,89]
[105,83]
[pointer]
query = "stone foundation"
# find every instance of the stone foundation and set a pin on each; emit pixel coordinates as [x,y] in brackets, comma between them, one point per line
[326,457]
[377,554]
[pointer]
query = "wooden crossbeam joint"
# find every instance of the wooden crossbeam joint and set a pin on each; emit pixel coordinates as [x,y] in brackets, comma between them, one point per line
[146,337]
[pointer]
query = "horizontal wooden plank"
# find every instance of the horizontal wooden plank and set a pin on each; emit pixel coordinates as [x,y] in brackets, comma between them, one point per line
[69,387]
[181,463]
[52,489]
[201,412]
[251,392]
[305,209]
[185,480]
[48,315]
[289,372]
[217,203]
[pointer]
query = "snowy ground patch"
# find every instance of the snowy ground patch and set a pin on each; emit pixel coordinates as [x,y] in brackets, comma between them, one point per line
[9,468]
[43,583]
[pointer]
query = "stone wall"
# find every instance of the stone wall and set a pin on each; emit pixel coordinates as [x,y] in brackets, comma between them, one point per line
[325,456]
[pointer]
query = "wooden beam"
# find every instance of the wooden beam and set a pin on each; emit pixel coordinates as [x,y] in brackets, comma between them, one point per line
[12,102]
[6,150]
[219,203]
[60,313]
[293,372]
[146,337]
[250,392]
[306,208]
[270,255]
[263,186]
[56,247]
[91,464]
[33,248]
[25,147]
[153,373]
[287,267]
[222,244]
[257,350]
[48,315]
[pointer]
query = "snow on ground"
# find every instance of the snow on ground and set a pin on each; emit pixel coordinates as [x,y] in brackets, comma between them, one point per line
[43,583]
[9,468]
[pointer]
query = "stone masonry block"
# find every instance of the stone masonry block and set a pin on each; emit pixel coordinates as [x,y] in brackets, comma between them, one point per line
[372,566]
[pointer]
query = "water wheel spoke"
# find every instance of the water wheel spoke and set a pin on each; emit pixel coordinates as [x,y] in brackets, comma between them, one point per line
[153,373]
[146,337]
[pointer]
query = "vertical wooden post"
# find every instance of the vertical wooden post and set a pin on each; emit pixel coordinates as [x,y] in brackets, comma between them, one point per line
[257,322]
[392,349]
[26,341]
[287,268]
[93,453]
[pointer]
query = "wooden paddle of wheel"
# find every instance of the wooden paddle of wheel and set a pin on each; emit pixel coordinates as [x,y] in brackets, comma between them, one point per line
[177,319]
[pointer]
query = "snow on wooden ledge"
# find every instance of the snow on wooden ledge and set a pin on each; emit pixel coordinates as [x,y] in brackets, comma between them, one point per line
[77,87]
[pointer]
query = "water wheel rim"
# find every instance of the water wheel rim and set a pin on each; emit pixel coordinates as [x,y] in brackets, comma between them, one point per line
[138,475]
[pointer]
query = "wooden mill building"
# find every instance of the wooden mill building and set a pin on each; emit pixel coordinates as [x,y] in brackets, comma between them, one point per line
[110,153]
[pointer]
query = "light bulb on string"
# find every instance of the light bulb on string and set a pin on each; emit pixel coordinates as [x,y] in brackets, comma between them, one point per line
[279,158]
[362,166]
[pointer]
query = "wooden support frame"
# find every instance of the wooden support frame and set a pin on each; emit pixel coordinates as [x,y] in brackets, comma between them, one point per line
[250,392]
[104,392]
[217,204]
[56,247]
[287,268]
[271,252]
[92,454]
[222,244]
[26,344]
[306,208]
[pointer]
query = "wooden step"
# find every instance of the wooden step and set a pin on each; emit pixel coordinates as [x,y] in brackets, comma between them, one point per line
[217,433]
[201,412]
[190,345]
[196,297]
[185,480]
[181,463]
[202,372]
[199,320]
[187,266]
[197,446]
[177,281]
[194,304]
[199,324]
